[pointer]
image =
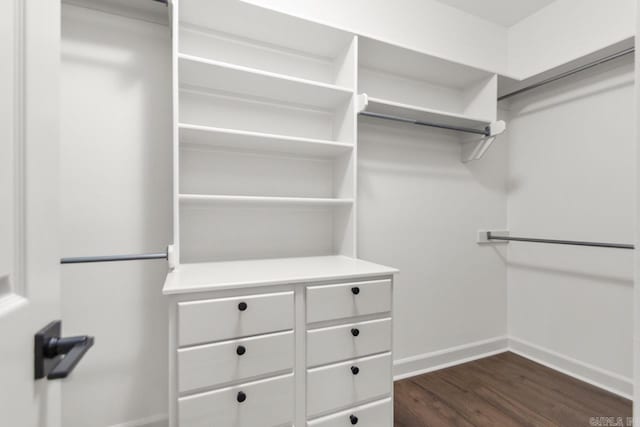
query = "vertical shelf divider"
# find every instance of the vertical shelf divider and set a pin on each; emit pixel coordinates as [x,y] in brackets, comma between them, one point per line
[175,43]
[345,167]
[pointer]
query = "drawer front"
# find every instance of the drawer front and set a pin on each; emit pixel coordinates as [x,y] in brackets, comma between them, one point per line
[267,403]
[336,343]
[226,318]
[335,386]
[376,414]
[329,302]
[213,364]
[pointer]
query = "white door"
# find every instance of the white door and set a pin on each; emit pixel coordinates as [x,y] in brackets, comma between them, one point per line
[29,255]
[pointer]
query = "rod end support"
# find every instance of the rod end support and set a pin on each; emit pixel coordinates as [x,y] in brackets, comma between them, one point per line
[171,257]
[483,237]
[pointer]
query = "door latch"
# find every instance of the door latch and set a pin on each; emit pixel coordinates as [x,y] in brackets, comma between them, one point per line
[56,357]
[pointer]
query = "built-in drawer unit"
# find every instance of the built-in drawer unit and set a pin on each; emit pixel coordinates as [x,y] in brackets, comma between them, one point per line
[345,384]
[376,414]
[280,343]
[265,403]
[337,343]
[328,302]
[213,364]
[226,318]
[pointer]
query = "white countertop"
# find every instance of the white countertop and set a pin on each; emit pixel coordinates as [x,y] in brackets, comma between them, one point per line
[213,276]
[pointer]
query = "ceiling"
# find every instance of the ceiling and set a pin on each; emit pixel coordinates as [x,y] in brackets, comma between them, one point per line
[502,12]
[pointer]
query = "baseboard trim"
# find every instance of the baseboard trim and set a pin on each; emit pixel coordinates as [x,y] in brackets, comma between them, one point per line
[428,362]
[609,381]
[161,420]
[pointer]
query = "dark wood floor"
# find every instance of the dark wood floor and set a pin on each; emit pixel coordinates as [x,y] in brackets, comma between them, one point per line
[502,390]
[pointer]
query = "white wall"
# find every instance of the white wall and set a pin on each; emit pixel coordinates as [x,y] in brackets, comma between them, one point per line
[566,30]
[116,198]
[423,25]
[419,209]
[572,176]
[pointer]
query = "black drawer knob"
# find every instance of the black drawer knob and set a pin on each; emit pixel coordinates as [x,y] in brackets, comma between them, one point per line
[241,350]
[353,419]
[355,290]
[355,332]
[242,306]
[355,370]
[241,396]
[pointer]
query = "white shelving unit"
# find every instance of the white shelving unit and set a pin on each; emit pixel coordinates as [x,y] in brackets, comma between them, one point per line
[266,111]
[266,126]
[265,133]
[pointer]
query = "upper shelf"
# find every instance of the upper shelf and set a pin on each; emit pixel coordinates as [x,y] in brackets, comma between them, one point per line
[205,136]
[413,65]
[208,276]
[220,76]
[256,25]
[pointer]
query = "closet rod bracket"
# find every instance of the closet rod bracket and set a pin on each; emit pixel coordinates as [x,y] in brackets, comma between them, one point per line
[475,148]
[484,237]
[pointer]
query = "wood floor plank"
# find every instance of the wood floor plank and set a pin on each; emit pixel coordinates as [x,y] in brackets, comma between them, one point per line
[501,397]
[572,400]
[466,403]
[415,407]
[503,390]
[596,398]
[556,406]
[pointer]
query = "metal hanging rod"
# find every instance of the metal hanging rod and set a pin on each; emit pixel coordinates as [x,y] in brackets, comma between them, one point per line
[570,72]
[485,132]
[490,236]
[111,258]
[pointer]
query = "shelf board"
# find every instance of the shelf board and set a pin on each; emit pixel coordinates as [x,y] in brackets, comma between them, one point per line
[382,106]
[206,136]
[210,276]
[264,200]
[400,61]
[269,27]
[203,73]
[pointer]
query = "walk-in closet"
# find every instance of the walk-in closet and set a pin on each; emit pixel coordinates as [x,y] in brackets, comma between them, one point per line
[319,213]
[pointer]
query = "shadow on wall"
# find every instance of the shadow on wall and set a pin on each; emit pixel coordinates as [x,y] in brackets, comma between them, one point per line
[404,149]
[626,281]
[563,272]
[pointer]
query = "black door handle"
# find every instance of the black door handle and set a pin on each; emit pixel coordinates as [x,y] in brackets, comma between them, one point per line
[73,349]
[56,357]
